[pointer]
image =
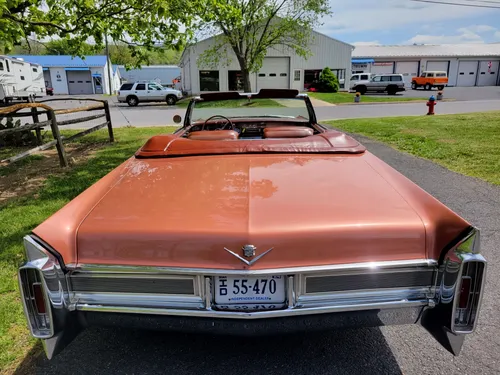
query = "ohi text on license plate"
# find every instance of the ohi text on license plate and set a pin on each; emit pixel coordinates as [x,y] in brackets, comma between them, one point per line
[257,292]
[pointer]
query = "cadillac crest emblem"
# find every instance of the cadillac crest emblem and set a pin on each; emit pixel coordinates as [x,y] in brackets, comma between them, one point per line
[249,250]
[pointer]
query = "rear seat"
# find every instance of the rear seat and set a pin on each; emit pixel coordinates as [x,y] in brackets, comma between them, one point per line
[288,132]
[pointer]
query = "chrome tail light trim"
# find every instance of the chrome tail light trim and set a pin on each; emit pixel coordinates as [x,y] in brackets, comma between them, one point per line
[463,260]
[41,324]
[464,320]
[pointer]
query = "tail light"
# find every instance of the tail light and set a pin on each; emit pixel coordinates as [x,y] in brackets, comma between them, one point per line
[468,298]
[35,301]
[462,284]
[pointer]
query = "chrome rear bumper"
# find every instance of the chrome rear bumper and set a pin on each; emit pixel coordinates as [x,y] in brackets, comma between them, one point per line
[74,295]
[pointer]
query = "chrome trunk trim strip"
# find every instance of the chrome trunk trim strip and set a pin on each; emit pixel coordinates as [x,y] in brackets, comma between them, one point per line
[372,266]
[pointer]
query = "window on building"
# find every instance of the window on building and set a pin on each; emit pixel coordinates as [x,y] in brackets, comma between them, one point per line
[22,78]
[283,74]
[209,80]
[1,65]
[296,75]
[127,86]
[339,73]
[7,65]
[235,80]
[272,74]
[35,70]
[141,86]
[262,74]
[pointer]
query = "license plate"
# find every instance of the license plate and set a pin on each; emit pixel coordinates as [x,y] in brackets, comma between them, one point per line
[249,293]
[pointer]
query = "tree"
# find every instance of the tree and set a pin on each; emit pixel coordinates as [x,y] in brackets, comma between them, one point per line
[249,28]
[140,24]
[328,81]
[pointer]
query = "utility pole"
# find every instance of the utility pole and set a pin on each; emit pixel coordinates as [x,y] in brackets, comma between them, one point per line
[110,78]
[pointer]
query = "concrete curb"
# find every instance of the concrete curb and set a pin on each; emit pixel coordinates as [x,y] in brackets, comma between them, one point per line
[396,102]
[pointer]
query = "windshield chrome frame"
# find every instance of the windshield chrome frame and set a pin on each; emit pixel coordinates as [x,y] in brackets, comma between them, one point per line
[197,99]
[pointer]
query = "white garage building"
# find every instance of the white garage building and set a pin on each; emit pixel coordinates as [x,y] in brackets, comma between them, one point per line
[282,68]
[466,64]
[75,76]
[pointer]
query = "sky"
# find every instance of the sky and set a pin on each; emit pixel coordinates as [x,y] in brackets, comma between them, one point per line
[390,22]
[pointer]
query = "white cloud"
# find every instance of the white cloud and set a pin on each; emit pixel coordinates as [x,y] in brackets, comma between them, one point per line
[445,39]
[383,15]
[374,43]
[468,34]
[497,36]
[478,28]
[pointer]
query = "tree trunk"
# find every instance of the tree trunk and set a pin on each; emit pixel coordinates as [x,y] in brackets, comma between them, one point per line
[247,86]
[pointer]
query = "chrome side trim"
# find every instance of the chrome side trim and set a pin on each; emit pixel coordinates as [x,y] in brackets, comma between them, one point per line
[373,266]
[254,315]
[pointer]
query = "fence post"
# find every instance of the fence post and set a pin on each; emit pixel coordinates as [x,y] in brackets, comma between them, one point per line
[57,136]
[108,119]
[38,131]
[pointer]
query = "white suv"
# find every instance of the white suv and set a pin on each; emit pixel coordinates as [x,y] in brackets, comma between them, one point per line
[390,83]
[144,91]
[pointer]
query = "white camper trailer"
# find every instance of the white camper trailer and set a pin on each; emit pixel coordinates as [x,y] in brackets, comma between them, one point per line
[20,80]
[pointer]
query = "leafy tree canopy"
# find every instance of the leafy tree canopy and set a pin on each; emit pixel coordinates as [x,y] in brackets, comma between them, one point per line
[119,53]
[139,24]
[249,28]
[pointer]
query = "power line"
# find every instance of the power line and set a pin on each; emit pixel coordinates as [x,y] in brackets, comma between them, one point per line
[484,1]
[458,4]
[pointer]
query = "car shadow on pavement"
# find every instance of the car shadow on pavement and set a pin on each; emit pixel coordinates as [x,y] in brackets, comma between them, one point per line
[128,351]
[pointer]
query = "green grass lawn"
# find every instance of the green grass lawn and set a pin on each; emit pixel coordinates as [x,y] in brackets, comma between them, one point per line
[468,143]
[19,216]
[236,103]
[345,97]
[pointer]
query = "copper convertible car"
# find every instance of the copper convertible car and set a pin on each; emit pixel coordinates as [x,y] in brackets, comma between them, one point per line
[252,218]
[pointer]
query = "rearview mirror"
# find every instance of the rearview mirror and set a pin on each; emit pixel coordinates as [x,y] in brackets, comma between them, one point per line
[177,119]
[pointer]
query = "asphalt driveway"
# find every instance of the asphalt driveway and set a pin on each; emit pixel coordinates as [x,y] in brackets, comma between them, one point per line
[389,350]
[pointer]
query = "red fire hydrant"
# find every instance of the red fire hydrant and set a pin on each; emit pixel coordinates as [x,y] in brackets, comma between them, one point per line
[431,103]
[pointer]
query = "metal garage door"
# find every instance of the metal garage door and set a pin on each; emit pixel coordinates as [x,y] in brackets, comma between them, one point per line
[408,69]
[79,82]
[467,71]
[440,66]
[382,67]
[274,74]
[488,73]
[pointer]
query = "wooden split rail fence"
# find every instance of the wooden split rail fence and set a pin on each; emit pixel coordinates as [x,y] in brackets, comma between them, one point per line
[54,121]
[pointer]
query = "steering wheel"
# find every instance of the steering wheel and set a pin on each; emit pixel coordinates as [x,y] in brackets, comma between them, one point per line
[228,122]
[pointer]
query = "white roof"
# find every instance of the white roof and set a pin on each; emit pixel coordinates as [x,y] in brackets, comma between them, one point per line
[429,50]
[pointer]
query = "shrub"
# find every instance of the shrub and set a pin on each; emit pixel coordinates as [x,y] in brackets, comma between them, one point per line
[23,138]
[328,81]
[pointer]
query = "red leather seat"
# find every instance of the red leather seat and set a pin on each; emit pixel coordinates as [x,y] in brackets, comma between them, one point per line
[288,132]
[214,135]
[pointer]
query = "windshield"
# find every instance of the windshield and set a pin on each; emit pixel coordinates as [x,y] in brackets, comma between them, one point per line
[254,108]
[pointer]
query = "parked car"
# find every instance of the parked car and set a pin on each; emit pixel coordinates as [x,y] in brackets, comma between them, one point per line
[428,80]
[144,91]
[250,220]
[359,77]
[389,83]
